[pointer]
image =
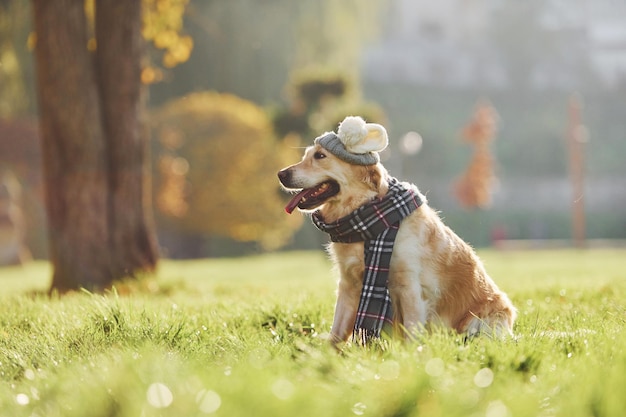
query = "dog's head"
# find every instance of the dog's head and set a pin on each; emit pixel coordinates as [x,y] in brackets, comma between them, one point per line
[336,173]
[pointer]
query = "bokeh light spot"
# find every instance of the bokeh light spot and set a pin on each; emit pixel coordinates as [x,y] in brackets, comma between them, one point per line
[208,401]
[483,378]
[22,399]
[159,395]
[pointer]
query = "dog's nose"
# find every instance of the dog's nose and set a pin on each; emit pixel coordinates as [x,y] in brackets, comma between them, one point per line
[284,175]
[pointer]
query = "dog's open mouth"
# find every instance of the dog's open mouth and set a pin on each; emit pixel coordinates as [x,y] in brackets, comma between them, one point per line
[310,198]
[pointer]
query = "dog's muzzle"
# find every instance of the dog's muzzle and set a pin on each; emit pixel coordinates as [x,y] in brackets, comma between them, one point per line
[284,176]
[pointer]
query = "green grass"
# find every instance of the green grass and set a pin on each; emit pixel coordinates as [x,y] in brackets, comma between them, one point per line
[245,337]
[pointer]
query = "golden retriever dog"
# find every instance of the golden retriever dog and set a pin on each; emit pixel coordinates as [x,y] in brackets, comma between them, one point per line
[435,278]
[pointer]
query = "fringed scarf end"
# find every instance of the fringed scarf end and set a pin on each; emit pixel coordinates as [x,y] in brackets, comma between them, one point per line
[364,336]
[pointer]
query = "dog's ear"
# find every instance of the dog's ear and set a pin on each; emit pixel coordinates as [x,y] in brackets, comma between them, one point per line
[373,176]
[359,137]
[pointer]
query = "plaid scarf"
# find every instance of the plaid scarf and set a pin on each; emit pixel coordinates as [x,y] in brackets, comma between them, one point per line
[376,224]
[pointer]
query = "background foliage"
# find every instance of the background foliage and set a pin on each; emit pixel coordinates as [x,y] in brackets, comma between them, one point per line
[213,156]
[229,47]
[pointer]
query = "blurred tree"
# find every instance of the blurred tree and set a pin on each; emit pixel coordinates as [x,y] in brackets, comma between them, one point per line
[216,169]
[163,27]
[474,187]
[16,92]
[94,147]
[332,33]
[249,47]
[319,100]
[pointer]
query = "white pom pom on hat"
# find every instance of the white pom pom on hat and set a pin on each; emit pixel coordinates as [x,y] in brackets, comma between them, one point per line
[360,137]
[356,141]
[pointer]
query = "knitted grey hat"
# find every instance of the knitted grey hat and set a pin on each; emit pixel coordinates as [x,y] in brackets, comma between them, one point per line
[355,142]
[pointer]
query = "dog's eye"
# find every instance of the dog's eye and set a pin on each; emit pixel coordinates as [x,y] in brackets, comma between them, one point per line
[319,155]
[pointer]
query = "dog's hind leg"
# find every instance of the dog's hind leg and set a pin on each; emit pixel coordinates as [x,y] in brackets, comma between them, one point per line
[497,325]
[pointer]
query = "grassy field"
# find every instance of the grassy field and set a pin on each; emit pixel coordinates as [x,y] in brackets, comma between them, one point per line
[245,337]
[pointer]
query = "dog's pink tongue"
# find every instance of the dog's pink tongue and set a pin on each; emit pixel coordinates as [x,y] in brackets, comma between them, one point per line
[293,203]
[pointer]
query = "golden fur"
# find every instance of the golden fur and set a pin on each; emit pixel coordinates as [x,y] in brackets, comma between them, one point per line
[435,277]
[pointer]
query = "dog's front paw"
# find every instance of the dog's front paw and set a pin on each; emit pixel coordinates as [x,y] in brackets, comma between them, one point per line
[336,341]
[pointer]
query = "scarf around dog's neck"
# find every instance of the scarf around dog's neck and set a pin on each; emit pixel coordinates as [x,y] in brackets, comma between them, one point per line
[376,224]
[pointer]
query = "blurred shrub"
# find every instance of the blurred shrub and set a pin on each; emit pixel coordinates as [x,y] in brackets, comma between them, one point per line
[313,88]
[319,100]
[475,186]
[216,159]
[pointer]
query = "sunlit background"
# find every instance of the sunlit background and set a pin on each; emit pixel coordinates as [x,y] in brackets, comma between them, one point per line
[509,116]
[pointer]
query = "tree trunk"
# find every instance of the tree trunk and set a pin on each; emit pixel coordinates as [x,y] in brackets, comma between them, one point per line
[118,57]
[73,147]
[94,151]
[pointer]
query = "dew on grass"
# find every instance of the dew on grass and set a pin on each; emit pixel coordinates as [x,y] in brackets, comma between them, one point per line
[545,403]
[159,395]
[483,378]
[22,399]
[34,393]
[359,409]
[29,374]
[208,401]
